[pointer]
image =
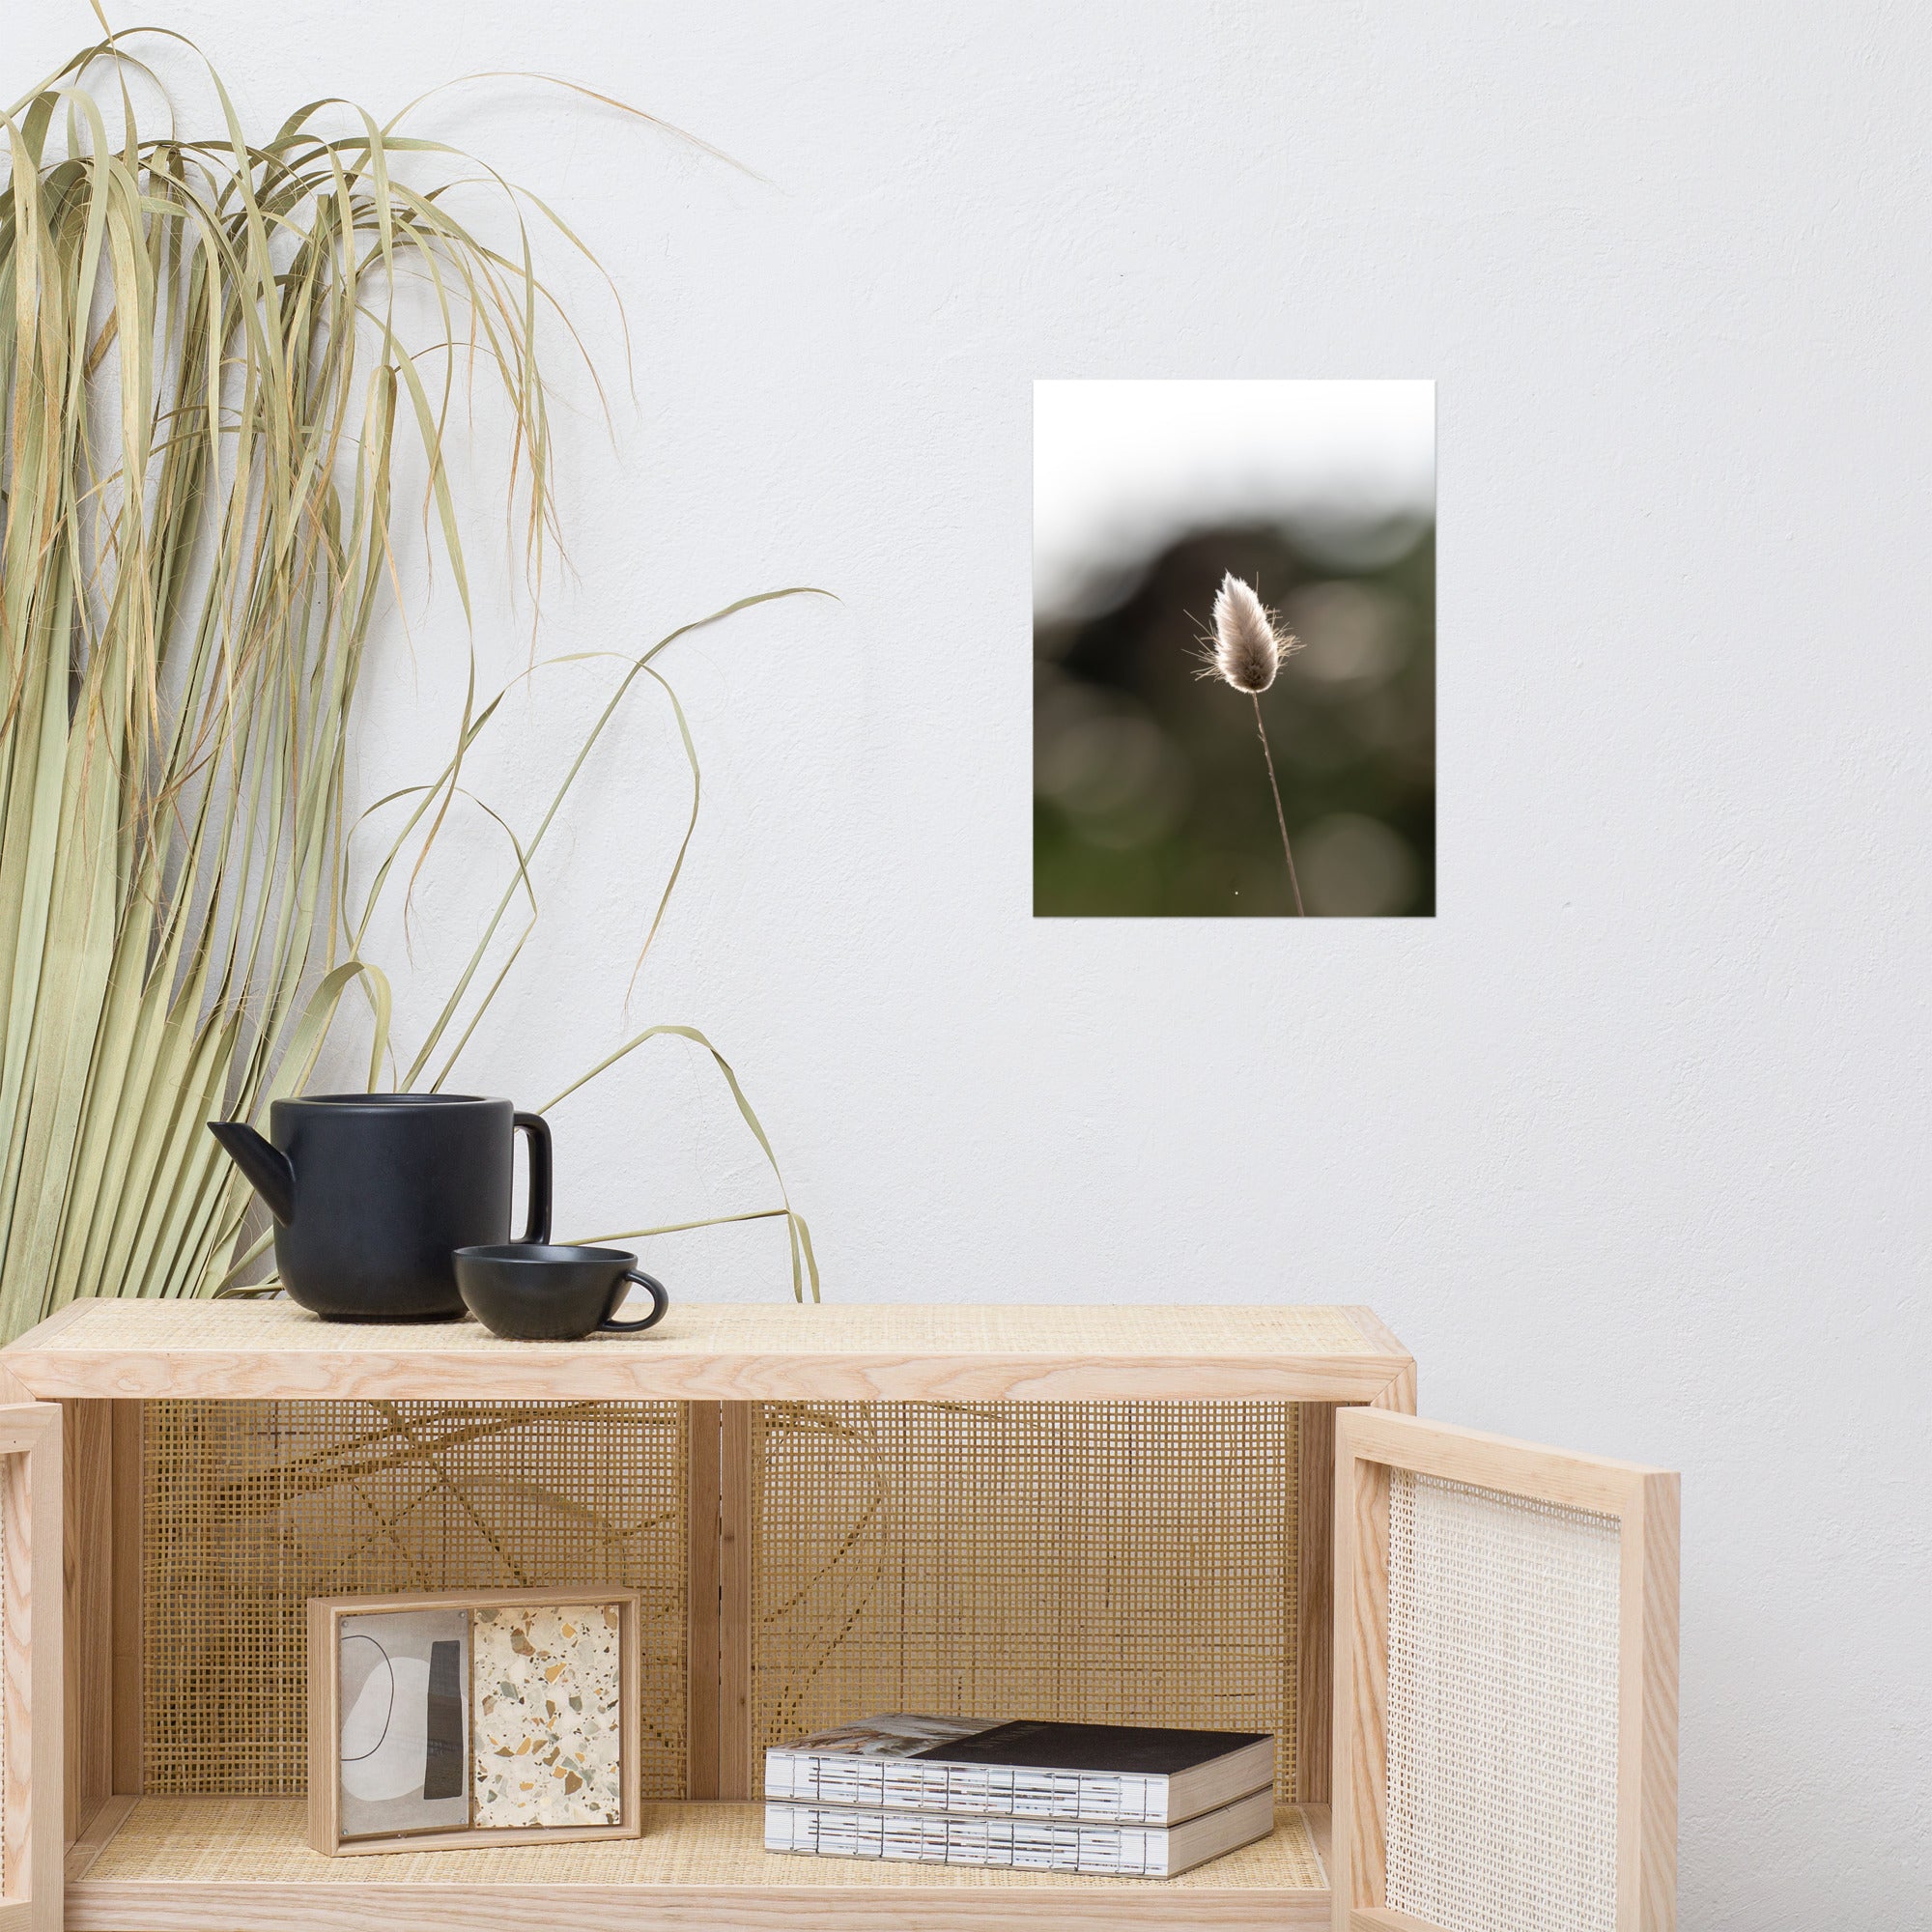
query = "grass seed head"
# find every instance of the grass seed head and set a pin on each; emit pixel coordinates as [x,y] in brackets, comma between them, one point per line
[1246,647]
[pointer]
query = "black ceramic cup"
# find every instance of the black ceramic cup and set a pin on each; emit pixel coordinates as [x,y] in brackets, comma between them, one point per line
[529,1292]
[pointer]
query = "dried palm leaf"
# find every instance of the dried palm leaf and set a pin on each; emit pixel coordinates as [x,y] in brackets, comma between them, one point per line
[208,378]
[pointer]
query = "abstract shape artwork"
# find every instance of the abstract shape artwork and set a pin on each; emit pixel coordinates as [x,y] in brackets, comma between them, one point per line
[403,1722]
[548,1719]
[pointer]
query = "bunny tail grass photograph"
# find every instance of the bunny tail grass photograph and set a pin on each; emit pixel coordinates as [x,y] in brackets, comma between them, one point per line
[1234,639]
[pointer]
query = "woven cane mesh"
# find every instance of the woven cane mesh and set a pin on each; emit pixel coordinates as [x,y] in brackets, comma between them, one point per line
[250,1508]
[1502,1711]
[1108,1562]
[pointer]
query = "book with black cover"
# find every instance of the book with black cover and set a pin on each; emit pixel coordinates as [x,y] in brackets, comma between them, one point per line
[1112,1747]
[1026,1768]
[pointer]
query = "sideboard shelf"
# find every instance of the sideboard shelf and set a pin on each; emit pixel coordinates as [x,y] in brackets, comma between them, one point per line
[212,1864]
[1224,1519]
[222,1461]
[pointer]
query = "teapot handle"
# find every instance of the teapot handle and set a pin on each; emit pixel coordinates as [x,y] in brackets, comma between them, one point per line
[537,1128]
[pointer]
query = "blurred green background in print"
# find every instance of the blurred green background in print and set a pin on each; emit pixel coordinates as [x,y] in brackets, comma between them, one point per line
[1151,795]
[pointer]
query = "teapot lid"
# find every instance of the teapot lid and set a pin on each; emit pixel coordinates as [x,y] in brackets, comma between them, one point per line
[387,1100]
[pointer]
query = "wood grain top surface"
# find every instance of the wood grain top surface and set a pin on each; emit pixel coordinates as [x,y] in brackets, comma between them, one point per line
[728,1351]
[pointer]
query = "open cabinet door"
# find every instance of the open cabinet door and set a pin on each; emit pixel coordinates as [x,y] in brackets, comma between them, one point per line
[1505,1684]
[31,1533]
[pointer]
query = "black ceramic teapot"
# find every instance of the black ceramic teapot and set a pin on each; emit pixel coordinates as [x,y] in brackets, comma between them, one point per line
[373,1192]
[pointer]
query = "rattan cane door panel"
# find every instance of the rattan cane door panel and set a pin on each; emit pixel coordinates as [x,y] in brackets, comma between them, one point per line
[252,1508]
[1505,1684]
[1113,1562]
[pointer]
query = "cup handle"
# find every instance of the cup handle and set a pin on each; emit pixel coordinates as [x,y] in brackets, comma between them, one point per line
[660,1301]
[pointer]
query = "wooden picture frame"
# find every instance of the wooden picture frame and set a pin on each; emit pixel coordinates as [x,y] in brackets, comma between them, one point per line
[326,1617]
[1370,1446]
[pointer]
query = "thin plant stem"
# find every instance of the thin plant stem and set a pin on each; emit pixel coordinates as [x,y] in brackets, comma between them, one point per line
[1280,817]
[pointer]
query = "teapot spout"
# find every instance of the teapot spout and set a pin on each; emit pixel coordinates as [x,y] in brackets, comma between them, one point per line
[265,1166]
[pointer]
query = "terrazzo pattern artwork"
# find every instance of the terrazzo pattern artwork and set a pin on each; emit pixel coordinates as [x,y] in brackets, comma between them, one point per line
[547,1721]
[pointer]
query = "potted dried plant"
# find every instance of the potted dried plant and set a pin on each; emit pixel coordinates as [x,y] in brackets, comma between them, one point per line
[208,384]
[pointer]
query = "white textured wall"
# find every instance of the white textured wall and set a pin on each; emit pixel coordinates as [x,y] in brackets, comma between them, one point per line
[1631,1143]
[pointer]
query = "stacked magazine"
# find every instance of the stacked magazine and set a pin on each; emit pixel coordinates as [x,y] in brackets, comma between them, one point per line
[1117,1800]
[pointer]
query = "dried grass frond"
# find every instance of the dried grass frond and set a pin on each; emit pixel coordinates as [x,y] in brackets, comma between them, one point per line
[207,384]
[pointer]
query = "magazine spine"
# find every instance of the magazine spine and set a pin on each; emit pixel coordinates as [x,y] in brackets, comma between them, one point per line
[1023,1844]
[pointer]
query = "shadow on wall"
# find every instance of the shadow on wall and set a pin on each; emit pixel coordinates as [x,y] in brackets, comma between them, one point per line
[1151,796]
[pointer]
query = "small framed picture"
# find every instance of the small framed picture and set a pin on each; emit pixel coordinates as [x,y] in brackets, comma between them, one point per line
[478,1718]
